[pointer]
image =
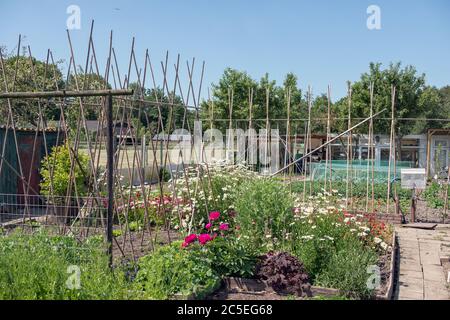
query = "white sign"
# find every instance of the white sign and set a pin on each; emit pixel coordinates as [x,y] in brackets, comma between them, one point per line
[414,178]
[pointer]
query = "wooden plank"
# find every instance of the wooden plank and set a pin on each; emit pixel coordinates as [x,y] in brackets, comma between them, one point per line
[419,225]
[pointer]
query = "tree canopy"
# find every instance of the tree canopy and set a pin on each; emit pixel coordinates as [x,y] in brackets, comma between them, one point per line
[18,76]
[234,89]
[414,99]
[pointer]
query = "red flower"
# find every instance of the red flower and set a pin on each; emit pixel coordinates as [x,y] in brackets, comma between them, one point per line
[348,215]
[223,226]
[190,238]
[208,226]
[214,215]
[184,244]
[204,238]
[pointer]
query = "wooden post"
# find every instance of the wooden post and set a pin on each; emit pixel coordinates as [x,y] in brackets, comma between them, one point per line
[413,205]
[349,146]
[110,176]
[391,138]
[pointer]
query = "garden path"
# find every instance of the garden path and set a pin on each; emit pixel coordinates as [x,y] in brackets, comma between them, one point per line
[424,257]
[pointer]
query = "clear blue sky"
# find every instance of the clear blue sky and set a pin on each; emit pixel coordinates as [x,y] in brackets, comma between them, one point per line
[323,42]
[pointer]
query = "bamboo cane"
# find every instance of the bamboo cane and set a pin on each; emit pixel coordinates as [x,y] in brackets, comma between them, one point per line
[390,148]
[349,145]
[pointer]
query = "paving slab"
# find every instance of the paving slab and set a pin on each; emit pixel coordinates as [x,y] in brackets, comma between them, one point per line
[410,265]
[420,272]
[433,273]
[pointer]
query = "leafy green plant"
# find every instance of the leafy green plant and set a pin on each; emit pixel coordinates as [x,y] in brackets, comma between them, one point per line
[230,257]
[135,226]
[347,271]
[171,270]
[40,266]
[212,188]
[56,171]
[164,175]
[323,235]
[264,211]
[358,189]
[434,195]
[152,209]
[117,233]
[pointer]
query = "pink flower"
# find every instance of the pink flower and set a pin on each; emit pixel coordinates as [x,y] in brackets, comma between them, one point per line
[184,244]
[208,226]
[214,215]
[223,226]
[204,238]
[190,238]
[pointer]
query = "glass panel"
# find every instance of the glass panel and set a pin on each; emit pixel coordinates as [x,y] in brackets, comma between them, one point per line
[440,143]
[440,154]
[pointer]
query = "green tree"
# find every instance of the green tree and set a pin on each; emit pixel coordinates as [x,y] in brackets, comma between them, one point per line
[409,88]
[30,75]
[444,93]
[238,85]
[158,103]
[91,105]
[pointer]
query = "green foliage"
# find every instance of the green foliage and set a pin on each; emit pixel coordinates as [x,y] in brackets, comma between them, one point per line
[434,194]
[37,267]
[323,237]
[117,233]
[72,112]
[212,189]
[135,225]
[358,189]
[240,83]
[444,94]
[310,242]
[55,181]
[149,114]
[164,175]
[25,111]
[346,270]
[264,211]
[172,270]
[230,257]
[413,99]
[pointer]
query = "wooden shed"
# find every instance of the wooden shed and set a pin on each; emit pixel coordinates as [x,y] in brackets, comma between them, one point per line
[20,162]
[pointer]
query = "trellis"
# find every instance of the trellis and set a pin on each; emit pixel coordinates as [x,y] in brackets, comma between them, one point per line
[130,103]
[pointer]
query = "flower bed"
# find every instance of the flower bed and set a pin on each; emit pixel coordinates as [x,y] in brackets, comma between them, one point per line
[318,236]
[252,288]
[255,228]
